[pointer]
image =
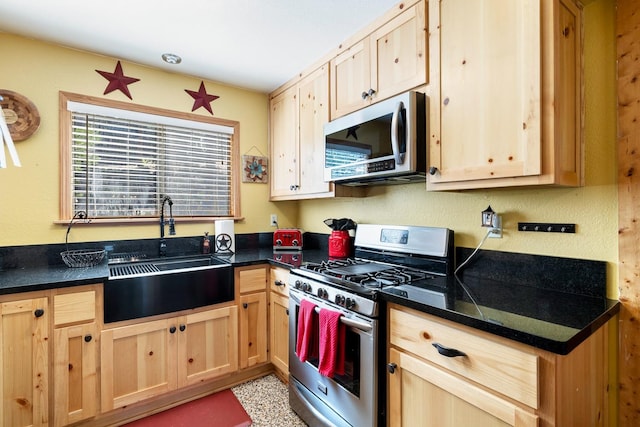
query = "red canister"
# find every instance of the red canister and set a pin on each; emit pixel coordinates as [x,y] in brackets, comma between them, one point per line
[339,244]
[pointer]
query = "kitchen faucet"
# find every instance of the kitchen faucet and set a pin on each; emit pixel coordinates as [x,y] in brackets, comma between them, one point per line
[172,224]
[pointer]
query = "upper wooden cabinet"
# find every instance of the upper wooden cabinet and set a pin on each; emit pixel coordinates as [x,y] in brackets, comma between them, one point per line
[388,61]
[505,98]
[297,117]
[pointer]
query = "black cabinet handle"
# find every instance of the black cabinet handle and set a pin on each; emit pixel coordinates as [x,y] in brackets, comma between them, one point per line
[287,311]
[278,283]
[39,312]
[391,367]
[245,305]
[182,328]
[172,329]
[364,95]
[433,170]
[448,352]
[88,338]
[371,92]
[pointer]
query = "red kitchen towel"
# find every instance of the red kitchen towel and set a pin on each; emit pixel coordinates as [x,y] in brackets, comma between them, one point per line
[306,330]
[332,343]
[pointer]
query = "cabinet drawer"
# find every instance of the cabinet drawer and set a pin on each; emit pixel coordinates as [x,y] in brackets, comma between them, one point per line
[280,281]
[251,279]
[75,307]
[510,371]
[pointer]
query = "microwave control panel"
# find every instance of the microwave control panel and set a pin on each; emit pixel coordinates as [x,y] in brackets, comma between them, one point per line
[383,165]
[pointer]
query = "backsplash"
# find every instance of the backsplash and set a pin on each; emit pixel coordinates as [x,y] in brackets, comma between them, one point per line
[570,275]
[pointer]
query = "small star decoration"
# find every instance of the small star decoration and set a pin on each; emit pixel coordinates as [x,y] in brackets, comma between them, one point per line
[202,98]
[352,132]
[117,80]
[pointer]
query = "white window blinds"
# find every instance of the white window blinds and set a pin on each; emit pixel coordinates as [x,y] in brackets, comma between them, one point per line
[124,162]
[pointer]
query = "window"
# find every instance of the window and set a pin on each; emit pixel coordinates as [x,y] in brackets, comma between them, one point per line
[120,160]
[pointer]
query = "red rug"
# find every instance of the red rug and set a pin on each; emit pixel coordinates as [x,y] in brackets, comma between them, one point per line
[220,409]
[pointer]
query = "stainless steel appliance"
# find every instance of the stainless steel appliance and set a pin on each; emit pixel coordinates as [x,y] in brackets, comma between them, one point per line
[382,143]
[385,257]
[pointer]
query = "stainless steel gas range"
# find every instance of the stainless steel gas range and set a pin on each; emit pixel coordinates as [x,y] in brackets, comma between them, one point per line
[386,256]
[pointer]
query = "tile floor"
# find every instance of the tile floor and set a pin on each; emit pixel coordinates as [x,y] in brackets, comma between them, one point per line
[266,400]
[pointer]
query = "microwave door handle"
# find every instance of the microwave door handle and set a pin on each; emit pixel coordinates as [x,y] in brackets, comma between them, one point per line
[395,146]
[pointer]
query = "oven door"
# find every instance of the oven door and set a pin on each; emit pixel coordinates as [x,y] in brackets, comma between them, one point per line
[348,399]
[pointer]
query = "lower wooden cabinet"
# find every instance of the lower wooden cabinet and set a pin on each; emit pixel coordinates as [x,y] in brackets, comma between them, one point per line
[497,382]
[279,333]
[75,354]
[421,394]
[144,360]
[279,320]
[75,375]
[251,281]
[24,362]
[253,329]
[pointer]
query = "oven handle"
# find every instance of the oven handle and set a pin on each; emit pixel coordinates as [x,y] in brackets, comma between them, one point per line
[365,327]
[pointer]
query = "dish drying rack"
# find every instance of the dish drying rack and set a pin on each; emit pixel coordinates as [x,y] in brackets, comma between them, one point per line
[80,258]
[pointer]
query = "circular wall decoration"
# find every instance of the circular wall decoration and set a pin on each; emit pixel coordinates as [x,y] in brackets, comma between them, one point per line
[20,114]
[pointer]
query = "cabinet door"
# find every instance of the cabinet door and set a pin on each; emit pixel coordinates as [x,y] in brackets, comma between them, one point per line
[207,345]
[485,101]
[138,362]
[399,53]
[350,77]
[422,394]
[279,332]
[75,377]
[284,142]
[253,329]
[24,362]
[313,114]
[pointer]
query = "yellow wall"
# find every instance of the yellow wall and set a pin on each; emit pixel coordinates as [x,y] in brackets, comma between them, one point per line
[29,196]
[593,207]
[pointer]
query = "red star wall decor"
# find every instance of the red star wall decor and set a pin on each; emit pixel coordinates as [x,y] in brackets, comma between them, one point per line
[202,98]
[117,80]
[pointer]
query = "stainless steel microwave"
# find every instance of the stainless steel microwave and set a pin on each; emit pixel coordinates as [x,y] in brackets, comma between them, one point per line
[383,143]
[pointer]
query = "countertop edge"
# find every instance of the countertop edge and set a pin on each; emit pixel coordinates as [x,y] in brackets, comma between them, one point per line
[557,347]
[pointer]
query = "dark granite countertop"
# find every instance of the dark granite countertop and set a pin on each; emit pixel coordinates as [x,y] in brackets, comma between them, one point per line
[547,302]
[38,278]
[549,320]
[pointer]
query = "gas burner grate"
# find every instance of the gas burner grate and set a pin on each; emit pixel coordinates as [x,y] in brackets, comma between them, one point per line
[367,273]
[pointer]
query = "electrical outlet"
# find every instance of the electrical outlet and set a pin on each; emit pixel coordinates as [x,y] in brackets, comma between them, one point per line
[273,220]
[496,229]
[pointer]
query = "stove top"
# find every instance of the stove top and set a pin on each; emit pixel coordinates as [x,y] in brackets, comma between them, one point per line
[386,257]
[366,274]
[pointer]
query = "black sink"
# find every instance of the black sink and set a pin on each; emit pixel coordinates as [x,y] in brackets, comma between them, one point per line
[149,288]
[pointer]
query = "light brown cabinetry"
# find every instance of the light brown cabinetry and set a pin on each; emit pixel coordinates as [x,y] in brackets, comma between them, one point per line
[390,60]
[494,382]
[279,320]
[24,361]
[144,360]
[505,94]
[297,117]
[75,355]
[252,284]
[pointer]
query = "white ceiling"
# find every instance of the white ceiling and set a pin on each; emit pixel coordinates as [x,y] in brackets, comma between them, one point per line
[255,44]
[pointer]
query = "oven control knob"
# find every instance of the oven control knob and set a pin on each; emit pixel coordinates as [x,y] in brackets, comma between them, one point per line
[297,284]
[350,303]
[340,300]
[322,293]
[306,287]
